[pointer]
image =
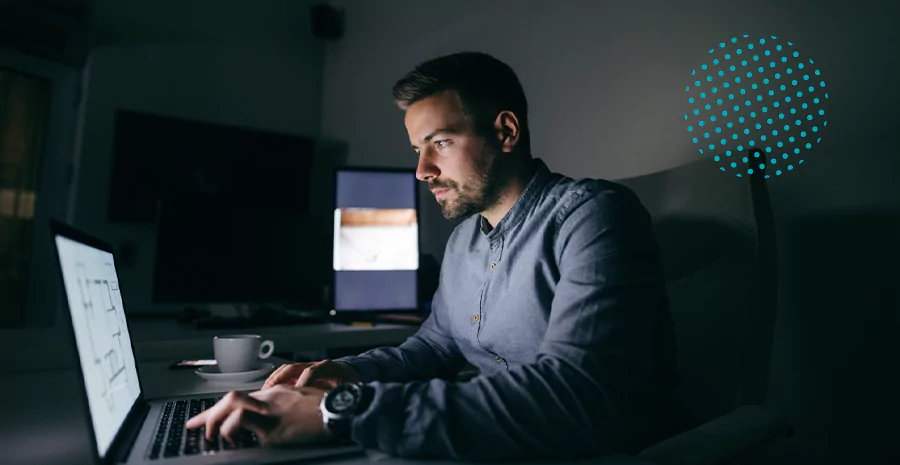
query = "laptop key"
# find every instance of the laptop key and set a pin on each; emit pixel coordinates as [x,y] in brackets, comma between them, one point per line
[250,440]
[195,407]
[191,448]
[211,445]
[193,437]
[241,441]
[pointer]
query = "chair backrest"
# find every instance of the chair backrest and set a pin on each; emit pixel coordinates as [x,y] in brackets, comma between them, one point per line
[717,240]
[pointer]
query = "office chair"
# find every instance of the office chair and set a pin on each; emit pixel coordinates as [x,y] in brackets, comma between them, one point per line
[717,239]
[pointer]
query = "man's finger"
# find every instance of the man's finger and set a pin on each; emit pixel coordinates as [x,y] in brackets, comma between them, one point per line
[241,419]
[197,421]
[232,425]
[307,374]
[231,402]
[284,374]
[273,378]
[308,390]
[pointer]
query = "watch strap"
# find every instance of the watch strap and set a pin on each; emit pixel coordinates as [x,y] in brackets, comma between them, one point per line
[341,426]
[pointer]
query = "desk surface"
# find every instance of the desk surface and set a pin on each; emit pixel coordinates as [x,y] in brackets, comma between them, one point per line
[168,340]
[159,380]
[30,422]
[45,408]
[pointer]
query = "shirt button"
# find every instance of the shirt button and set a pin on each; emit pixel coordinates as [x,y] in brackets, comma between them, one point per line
[498,359]
[475,318]
[493,265]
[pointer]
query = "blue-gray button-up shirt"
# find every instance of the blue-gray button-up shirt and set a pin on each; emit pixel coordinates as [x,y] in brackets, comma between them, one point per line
[562,308]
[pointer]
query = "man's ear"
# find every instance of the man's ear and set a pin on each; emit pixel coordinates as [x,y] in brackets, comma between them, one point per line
[507,127]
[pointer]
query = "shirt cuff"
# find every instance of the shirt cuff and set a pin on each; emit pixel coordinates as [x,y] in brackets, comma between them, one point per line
[367,368]
[381,425]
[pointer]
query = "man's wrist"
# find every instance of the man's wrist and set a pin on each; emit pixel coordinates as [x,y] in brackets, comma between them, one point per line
[366,368]
[355,375]
[341,405]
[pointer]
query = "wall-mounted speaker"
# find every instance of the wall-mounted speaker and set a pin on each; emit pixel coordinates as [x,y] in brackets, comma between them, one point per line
[327,22]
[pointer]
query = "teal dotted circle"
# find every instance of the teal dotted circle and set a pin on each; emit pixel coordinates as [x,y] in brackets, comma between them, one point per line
[785,79]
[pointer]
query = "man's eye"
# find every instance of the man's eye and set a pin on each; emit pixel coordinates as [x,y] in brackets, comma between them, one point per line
[442,144]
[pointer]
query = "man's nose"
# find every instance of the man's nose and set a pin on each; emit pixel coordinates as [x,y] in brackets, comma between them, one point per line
[426,169]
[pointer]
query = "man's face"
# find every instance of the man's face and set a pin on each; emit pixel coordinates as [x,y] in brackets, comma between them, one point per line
[463,171]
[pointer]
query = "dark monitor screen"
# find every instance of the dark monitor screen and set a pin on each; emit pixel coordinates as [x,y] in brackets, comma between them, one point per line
[376,240]
[210,251]
[157,157]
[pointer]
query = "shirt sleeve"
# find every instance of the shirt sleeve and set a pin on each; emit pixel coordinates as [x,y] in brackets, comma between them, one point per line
[430,353]
[590,389]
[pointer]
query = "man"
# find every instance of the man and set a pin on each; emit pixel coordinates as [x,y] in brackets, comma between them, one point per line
[553,289]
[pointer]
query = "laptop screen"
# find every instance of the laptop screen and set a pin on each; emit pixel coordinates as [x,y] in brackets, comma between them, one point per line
[101,335]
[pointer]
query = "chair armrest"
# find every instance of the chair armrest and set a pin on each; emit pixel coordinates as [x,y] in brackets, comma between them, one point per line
[720,440]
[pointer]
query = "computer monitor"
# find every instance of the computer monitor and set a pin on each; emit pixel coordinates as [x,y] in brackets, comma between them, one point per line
[211,251]
[376,240]
[156,157]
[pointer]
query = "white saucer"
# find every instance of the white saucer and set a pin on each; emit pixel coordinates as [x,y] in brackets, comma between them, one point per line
[212,373]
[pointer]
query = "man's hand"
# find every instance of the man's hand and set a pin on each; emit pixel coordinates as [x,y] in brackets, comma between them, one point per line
[323,375]
[279,415]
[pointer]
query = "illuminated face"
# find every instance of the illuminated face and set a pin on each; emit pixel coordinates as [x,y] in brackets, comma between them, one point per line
[461,169]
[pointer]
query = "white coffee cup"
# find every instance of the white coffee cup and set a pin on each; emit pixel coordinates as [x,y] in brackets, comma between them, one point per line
[240,352]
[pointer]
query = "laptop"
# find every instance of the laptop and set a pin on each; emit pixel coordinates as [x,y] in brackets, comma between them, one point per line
[124,426]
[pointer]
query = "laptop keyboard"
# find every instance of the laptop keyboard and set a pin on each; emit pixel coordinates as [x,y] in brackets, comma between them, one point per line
[173,440]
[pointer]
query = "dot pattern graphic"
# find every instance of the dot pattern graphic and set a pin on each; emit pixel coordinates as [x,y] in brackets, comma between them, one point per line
[756,104]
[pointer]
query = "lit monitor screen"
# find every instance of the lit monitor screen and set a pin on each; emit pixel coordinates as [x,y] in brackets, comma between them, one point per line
[376,240]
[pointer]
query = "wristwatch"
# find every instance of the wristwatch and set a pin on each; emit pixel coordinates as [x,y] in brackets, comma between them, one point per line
[341,405]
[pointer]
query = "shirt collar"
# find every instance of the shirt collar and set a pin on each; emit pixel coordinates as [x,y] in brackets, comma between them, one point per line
[530,195]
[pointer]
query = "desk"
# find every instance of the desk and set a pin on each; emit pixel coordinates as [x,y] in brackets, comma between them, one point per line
[168,340]
[161,381]
[166,382]
[44,418]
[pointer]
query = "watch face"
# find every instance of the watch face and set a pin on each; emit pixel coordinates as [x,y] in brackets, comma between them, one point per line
[343,401]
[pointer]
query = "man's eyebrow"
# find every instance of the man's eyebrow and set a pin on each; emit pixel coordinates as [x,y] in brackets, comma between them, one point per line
[446,130]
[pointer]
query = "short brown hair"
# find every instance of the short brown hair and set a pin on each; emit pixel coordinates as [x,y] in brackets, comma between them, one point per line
[485,85]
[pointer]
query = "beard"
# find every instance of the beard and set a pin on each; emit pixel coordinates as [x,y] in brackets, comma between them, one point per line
[479,192]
